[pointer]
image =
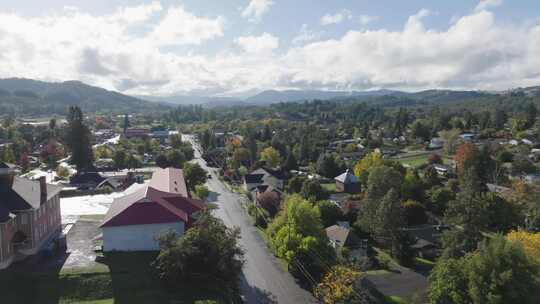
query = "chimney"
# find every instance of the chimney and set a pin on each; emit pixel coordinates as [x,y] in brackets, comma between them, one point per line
[43,189]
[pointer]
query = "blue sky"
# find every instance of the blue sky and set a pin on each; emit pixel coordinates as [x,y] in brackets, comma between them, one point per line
[240,47]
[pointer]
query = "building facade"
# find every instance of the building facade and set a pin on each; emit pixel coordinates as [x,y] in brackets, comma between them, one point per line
[30,216]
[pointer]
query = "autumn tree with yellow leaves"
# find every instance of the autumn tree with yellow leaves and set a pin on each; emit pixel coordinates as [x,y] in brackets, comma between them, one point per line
[530,242]
[337,285]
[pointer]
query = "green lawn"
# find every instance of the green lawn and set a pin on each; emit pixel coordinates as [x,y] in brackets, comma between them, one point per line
[395,300]
[330,187]
[414,161]
[130,280]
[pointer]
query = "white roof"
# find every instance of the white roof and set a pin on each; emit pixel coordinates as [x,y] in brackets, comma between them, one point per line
[347,178]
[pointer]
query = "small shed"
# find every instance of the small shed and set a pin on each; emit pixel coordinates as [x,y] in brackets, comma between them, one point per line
[347,182]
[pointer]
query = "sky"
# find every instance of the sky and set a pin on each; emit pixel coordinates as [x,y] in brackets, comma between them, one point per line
[241,47]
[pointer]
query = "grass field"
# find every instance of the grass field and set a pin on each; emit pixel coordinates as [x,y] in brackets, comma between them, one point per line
[414,161]
[130,280]
[330,187]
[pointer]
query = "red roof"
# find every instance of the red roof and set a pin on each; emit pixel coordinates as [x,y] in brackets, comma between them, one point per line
[150,205]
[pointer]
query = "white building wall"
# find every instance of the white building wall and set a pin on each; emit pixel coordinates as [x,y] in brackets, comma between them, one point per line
[137,237]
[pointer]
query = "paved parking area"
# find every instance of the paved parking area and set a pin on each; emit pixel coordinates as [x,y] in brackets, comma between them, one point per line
[81,242]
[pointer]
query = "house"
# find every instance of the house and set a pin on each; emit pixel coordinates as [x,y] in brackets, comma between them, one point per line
[468,137]
[426,240]
[263,176]
[341,236]
[436,143]
[86,180]
[134,221]
[136,133]
[532,178]
[347,182]
[30,217]
[113,183]
[160,134]
[444,170]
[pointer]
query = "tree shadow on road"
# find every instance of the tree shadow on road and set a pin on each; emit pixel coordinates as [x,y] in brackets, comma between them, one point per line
[256,295]
[212,197]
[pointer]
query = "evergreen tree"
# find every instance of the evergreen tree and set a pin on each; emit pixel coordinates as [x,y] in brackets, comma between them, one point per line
[78,139]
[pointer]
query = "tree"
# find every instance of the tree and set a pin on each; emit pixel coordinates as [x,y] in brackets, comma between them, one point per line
[389,218]
[162,161]
[330,213]
[466,157]
[202,192]
[120,159]
[448,283]
[412,186]
[431,177]
[414,212]
[207,253]
[176,159]
[271,156]
[475,213]
[312,189]
[295,184]
[78,139]
[381,180]
[530,242]
[327,166]
[337,285]
[362,168]
[290,162]
[240,157]
[176,141]
[499,119]
[420,130]
[522,165]
[450,138]
[499,272]
[25,162]
[439,197]
[194,175]
[298,236]
[531,113]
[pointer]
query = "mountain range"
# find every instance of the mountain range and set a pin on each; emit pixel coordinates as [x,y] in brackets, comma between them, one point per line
[32,97]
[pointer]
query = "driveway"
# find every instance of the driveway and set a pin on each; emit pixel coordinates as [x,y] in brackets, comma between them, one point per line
[80,243]
[264,281]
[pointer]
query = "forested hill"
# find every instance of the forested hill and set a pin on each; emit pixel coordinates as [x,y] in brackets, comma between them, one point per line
[32,97]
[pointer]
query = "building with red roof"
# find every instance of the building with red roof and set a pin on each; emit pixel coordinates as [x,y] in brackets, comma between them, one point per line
[134,221]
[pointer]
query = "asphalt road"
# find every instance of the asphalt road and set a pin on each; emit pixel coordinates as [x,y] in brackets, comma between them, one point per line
[263,279]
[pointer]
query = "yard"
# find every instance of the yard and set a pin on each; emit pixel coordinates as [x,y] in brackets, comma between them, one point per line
[127,278]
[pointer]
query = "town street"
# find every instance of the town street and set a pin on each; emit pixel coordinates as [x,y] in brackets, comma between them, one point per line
[264,281]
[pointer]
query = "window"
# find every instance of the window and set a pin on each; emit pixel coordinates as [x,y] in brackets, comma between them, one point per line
[23,219]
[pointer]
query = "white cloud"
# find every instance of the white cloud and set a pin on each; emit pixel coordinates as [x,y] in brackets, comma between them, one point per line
[367,19]
[336,18]
[473,53]
[181,27]
[256,9]
[487,4]
[124,50]
[264,43]
[305,35]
